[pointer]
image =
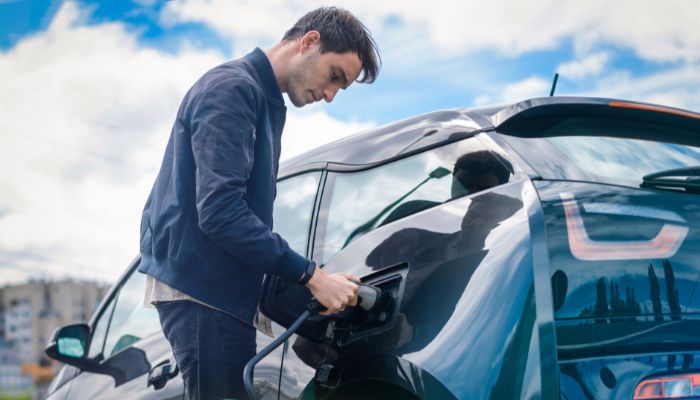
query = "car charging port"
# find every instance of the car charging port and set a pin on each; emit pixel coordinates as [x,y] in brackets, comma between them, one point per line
[374,312]
[376,302]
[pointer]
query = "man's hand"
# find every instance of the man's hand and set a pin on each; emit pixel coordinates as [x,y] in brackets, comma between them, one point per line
[333,291]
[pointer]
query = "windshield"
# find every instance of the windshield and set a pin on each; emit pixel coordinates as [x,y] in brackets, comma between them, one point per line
[601,158]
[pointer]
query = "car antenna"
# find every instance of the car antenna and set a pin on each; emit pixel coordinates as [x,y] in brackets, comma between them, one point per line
[554,84]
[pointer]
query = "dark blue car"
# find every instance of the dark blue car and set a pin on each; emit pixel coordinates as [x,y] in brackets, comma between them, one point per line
[544,249]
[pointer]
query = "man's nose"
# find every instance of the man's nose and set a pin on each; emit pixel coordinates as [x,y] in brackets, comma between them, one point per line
[329,93]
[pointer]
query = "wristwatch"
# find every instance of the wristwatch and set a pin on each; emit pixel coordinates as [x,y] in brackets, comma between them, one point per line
[306,276]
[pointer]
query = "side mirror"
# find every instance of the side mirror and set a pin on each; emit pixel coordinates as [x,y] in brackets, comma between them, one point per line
[68,344]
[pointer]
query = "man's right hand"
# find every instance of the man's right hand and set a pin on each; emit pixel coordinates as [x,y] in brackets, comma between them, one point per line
[333,291]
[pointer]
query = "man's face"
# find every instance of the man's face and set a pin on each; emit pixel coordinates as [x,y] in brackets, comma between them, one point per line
[319,76]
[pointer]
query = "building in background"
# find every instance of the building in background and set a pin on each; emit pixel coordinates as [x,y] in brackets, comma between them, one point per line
[12,381]
[29,313]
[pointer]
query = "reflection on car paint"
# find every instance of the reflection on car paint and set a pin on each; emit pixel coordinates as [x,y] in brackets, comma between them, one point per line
[457,262]
[632,211]
[617,377]
[664,245]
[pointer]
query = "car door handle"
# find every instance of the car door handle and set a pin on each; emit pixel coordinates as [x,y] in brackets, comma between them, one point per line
[161,373]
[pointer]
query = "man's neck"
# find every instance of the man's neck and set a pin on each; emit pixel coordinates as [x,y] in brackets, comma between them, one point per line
[279,57]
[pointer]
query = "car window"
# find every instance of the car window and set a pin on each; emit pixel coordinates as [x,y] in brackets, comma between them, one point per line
[359,202]
[625,158]
[601,158]
[293,208]
[100,331]
[130,321]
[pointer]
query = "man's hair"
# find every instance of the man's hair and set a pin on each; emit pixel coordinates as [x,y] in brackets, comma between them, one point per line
[340,33]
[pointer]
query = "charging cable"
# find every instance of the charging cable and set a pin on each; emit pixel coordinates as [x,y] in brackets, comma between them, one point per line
[367,299]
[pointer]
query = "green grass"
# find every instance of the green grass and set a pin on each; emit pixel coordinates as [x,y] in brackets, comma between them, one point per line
[25,396]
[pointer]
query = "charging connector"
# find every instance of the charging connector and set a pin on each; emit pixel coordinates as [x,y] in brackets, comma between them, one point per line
[369,298]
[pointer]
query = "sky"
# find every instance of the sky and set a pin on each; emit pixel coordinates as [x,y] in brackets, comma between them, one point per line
[89,91]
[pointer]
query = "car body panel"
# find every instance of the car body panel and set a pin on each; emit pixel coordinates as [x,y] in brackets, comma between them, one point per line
[386,142]
[149,352]
[625,315]
[617,377]
[545,115]
[360,369]
[60,386]
[619,216]
[463,260]
[524,118]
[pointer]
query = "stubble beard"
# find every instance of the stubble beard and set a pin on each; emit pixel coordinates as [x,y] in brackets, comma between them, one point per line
[297,81]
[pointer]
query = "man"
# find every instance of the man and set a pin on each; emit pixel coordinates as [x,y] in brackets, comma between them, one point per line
[206,231]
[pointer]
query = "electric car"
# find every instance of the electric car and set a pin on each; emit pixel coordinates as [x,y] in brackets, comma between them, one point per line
[544,249]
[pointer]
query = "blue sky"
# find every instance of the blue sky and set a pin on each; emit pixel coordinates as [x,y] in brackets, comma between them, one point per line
[90,88]
[435,81]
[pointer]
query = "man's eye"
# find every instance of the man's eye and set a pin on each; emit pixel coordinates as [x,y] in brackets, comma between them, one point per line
[334,77]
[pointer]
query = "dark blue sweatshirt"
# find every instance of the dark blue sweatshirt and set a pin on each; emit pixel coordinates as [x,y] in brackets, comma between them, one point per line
[206,228]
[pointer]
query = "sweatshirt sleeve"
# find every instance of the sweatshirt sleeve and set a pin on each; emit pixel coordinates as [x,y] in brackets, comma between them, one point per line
[223,124]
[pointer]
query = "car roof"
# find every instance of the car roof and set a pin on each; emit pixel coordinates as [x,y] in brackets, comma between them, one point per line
[414,134]
[388,141]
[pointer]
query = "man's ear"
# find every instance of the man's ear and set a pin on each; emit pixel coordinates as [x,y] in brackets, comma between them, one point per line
[310,39]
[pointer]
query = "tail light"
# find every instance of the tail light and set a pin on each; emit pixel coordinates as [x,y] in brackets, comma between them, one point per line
[669,387]
[664,245]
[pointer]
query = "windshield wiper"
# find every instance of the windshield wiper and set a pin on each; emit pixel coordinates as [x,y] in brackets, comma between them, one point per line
[685,179]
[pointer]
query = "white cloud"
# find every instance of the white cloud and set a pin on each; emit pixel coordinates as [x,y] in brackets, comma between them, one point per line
[259,24]
[676,87]
[311,128]
[85,114]
[589,66]
[662,31]
[83,117]
[433,40]
[482,100]
[527,88]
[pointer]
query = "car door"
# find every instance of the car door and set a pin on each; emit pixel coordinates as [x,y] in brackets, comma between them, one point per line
[127,337]
[422,221]
[292,216]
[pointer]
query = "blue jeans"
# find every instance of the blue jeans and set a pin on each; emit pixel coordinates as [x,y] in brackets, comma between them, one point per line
[210,347]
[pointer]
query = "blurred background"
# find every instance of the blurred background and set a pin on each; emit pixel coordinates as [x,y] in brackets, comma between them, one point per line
[89,90]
